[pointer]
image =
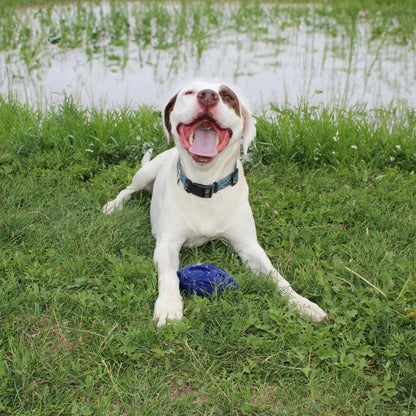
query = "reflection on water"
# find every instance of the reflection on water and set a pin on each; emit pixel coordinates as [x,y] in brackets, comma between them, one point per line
[269,61]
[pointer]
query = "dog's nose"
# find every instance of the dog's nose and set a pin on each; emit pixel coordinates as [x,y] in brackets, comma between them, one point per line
[207,98]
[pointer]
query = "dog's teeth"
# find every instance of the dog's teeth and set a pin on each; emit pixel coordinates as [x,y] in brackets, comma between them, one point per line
[217,139]
[191,138]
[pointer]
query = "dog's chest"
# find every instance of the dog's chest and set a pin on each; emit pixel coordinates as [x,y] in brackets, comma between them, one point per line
[178,214]
[208,218]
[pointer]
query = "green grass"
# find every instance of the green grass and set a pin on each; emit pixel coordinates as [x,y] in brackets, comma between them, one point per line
[333,195]
[77,288]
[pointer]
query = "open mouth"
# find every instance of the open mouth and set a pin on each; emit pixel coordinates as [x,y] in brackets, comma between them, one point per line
[203,138]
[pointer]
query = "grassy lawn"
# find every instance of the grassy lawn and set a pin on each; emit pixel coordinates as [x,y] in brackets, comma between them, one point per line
[333,195]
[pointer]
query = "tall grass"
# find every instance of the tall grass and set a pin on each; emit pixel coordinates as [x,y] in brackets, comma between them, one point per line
[321,136]
[78,287]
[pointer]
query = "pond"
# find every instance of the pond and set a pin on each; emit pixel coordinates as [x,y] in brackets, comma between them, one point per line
[127,54]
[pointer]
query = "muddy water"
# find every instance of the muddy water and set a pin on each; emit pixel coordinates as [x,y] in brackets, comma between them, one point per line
[285,65]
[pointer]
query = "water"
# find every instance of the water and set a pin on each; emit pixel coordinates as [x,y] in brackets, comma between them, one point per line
[271,62]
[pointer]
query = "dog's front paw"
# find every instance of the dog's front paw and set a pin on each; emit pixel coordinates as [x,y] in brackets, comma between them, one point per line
[111,206]
[168,307]
[308,308]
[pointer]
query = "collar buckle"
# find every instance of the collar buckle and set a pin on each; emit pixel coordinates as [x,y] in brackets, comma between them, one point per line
[206,191]
[203,191]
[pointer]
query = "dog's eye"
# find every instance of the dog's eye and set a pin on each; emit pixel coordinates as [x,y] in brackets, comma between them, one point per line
[227,97]
[189,92]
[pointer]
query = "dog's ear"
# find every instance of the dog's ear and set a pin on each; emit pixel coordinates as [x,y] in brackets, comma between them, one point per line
[166,118]
[249,129]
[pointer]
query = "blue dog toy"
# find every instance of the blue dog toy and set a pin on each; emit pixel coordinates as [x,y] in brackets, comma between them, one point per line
[203,279]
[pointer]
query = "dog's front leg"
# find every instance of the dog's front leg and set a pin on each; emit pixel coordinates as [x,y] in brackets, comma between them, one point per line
[169,304]
[255,257]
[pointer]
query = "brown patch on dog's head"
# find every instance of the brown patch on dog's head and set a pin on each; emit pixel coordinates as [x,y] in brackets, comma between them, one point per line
[168,111]
[230,99]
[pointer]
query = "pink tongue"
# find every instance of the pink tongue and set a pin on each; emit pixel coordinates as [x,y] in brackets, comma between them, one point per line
[204,143]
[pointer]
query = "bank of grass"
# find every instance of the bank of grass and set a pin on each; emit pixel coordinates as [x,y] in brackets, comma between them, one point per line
[333,195]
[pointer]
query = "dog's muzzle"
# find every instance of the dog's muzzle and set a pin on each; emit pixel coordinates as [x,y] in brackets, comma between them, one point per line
[203,138]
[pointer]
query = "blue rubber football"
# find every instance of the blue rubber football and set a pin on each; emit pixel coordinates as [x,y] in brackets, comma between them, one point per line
[203,279]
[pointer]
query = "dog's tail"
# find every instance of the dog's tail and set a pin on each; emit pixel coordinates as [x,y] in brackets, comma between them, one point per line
[146,157]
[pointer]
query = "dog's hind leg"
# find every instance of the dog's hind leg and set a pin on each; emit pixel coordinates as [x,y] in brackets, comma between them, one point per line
[143,179]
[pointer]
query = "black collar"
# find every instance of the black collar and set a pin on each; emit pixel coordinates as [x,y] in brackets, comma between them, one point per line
[206,191]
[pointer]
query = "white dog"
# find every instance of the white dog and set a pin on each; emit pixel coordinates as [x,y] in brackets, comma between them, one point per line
[200,192]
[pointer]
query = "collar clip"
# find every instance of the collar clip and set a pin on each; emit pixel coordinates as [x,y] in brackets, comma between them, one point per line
[206,191]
